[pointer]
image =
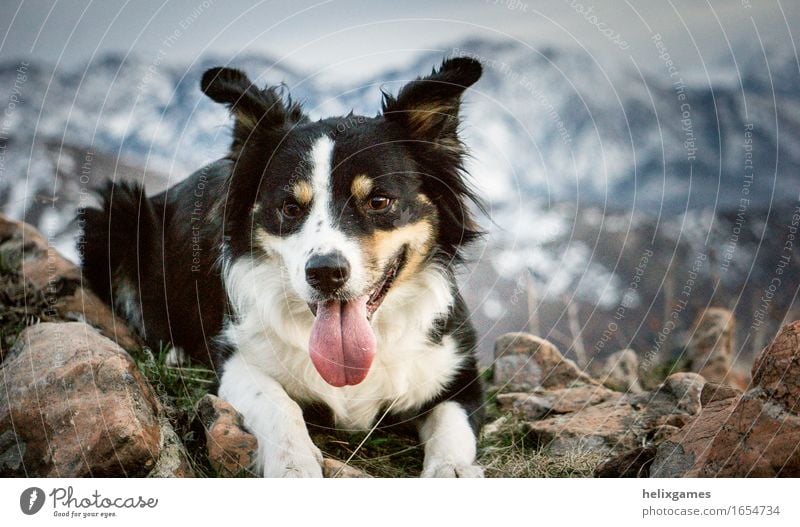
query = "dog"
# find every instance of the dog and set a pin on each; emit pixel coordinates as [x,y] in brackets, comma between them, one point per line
[314,267]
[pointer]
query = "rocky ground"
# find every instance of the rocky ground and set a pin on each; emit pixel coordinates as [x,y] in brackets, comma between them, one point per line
[80,396]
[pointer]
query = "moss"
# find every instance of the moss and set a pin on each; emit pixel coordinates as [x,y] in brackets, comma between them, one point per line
[656,375]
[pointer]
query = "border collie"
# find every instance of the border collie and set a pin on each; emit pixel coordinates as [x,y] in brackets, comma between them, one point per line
[314,267]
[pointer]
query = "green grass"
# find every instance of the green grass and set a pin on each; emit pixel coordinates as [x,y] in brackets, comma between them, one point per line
[179,388]
[20,307]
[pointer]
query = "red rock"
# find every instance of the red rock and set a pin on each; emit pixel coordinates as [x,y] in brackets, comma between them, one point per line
[533,406]
[524,361]
[751,435]
[614,423]
[777,368]
[72,404]
[44,271]
[231,448]
[332,468]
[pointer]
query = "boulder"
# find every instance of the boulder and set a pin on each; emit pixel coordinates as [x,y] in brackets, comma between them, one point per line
[524,361]
[619,371]
[73,403]
[230,447]
[37,271]
[754,434]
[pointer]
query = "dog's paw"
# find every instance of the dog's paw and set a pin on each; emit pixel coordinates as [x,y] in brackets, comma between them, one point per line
[447,469]
[295,459]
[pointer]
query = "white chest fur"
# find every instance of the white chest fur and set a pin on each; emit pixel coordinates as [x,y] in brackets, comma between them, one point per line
[273,330]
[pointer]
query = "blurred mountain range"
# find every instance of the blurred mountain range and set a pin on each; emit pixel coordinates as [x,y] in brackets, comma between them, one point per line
[583,169]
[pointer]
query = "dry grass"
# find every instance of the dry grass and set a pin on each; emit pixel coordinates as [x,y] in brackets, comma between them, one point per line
[507,451]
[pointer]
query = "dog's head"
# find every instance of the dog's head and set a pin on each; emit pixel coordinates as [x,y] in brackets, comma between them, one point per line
[348,208]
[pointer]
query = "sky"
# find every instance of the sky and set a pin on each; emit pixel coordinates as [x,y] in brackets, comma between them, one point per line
[352,40]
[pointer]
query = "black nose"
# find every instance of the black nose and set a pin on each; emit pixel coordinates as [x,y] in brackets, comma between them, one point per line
[327,272]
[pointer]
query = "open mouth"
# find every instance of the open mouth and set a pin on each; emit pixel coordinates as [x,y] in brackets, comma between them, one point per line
[380,291]
[342,343]
[389,276]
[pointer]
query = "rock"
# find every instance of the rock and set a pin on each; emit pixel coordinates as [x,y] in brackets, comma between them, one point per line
[332,468]
[631,464]
[717,392]
[230,447]
[524,361]
[611,422]
[754,434]
[686,387]
[751,437]
[83,410]
[174,460]
[710,349]
[28,258]
[606,427]
[661,433]
[619,371]
[527,406]
[540,403]
[777,368]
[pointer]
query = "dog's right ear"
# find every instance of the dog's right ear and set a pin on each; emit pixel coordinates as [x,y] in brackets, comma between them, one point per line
[250,106]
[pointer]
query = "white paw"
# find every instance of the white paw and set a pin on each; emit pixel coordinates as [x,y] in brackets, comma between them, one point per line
[295,459]
[447,469]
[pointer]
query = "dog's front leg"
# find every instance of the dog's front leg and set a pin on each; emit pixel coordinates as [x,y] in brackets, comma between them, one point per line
[450,444]
[284,447]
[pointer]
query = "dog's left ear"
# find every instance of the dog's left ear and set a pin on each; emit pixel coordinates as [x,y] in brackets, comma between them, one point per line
[250,106]
[428,107]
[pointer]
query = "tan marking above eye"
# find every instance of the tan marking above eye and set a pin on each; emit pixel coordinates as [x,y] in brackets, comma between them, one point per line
[302,192]
[361,187]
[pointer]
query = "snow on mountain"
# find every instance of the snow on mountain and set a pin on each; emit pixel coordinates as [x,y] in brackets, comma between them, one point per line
[545,127]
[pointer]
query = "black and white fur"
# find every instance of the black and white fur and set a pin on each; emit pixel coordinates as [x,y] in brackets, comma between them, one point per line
[217,266]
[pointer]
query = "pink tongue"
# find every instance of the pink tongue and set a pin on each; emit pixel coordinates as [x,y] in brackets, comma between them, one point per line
[342,343]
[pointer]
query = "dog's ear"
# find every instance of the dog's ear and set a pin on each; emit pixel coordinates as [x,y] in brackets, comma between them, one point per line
[249,105]
[428,107]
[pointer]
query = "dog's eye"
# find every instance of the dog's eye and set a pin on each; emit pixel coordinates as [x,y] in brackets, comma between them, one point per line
[291,210]
[379,203]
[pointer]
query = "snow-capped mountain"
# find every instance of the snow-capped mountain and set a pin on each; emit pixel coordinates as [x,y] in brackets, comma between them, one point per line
[554,137]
